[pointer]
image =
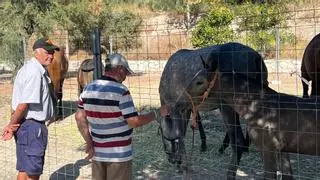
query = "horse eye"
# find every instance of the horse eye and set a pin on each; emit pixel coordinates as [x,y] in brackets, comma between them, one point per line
[199,83]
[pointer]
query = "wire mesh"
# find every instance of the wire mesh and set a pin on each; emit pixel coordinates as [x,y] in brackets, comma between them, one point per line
[156,43]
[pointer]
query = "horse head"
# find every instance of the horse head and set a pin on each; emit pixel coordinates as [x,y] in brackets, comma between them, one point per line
[186,77]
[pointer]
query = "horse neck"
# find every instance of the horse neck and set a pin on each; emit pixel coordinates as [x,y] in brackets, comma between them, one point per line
[246,97]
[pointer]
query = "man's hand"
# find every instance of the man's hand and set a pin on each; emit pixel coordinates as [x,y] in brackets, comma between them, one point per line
[89,151]
[8,130]
[165,110]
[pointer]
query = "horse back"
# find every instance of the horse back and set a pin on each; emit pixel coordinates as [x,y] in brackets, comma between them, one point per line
[311,59]
[85,74]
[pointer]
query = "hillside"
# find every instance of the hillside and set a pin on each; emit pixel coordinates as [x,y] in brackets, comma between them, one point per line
[163,33]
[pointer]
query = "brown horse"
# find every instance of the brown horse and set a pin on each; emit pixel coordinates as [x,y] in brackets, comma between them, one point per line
[85,74]
[57,71]
[310,67]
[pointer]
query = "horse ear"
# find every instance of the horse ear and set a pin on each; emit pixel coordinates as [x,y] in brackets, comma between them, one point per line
[204,64]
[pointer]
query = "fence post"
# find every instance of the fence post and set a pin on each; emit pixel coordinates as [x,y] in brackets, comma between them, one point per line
[278,52]
[96,53]
[110,44]
[24,44]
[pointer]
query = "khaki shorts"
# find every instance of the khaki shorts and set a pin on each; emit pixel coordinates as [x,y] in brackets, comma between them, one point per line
[112,170]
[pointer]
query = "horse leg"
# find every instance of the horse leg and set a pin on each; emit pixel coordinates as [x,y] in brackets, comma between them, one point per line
[236,136]
[59,103]
[225,143]
[285,166]
[246,142]
[202,134]
[270,165]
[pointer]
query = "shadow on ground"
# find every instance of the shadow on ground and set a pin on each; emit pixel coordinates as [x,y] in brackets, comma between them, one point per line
[69,171]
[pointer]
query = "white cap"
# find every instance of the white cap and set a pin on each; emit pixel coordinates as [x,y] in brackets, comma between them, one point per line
[118,60]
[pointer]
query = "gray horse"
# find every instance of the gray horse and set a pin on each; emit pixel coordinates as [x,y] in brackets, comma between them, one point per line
[188,75]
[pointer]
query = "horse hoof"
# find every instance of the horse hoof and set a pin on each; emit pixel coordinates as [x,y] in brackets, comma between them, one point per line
[221,150]
[246,150]
[203,148]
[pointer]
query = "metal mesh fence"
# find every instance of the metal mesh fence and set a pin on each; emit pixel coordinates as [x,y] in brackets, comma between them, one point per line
[155,44]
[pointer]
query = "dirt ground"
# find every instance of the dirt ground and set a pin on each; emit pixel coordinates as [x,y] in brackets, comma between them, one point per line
[65,153]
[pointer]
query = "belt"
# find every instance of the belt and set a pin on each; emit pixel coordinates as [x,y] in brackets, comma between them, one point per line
[31,119]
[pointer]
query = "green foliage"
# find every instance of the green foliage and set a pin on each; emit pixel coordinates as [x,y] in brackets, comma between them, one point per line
[122,26]
[261,16]
[124,29]
[252,23]
[12,50]
[156,5]
[215,28]
[34,15]
[20,19]
[81,23]
[167,5]
[259,22]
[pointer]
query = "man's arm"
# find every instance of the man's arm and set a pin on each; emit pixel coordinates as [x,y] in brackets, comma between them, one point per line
[82,124]
[13,125]
[83,127]
[141,120]
[18,114]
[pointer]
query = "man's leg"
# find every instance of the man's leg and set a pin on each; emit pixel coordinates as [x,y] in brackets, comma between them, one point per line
[119,170]
[24,176]
[98,170]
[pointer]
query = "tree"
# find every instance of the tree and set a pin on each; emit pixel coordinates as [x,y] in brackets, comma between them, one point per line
[21,19]
[122,26]
[215,28]
[254,23]
[257,23]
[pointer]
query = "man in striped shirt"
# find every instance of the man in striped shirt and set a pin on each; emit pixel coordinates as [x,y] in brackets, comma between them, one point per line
[106,117]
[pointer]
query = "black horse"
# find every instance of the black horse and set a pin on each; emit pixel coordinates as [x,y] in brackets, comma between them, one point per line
[187,76]
[310,67]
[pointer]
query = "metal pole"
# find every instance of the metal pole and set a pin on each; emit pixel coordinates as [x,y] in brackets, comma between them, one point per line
[111,44]
[96,53]
[24,44]
[278,49]
[188,16]
[277,43]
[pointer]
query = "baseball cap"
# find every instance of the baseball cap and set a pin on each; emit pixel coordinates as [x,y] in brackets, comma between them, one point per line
[45,44]
[117,59]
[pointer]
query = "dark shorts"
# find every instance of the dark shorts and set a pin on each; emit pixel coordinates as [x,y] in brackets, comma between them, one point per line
[31,143]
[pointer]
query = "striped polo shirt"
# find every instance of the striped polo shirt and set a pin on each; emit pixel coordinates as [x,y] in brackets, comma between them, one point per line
[108,104]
